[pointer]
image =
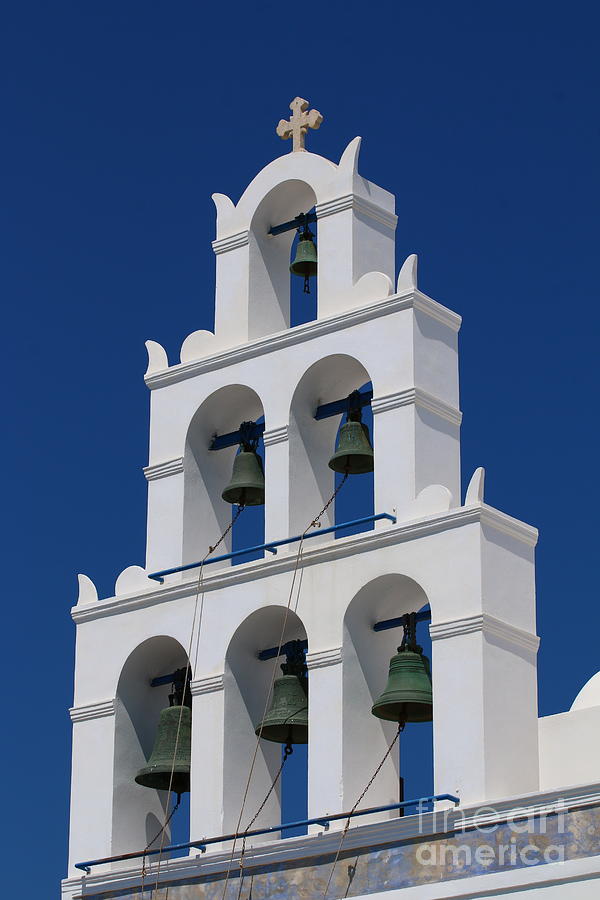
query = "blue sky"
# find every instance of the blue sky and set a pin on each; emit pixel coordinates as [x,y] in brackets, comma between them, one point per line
[119,121]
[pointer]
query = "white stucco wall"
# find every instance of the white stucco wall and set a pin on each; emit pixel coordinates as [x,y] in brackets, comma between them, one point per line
[570,741]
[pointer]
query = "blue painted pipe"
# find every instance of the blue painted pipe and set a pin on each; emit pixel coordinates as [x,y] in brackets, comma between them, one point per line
[286,826]
[271,547]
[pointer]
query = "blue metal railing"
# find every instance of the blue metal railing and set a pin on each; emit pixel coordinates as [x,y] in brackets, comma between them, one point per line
[271,546]
[286,826]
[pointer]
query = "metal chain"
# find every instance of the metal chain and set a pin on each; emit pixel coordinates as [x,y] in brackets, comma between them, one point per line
[353,810]
[211,550]
[286,754]
[315,522]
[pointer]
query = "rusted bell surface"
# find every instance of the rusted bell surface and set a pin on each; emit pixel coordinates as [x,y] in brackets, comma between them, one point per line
[305,261]
[287,718]
[354,452]
[170,753]
[247,485]
[286,722]
[407,696]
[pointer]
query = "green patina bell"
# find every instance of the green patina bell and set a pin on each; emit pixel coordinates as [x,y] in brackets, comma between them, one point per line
[169,753]
[247,485]
[354,452]
[286,722]
[407,696]
[305,261]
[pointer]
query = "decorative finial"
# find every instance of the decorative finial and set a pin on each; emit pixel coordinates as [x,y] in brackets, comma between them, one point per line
[299,123]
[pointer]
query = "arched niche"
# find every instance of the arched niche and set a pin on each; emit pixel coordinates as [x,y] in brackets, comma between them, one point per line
[206,472]
[247,684]
[138,812]
[269,257]
[312,442]
[366,657]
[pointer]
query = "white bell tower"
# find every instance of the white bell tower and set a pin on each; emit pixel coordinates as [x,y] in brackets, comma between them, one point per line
[472,564]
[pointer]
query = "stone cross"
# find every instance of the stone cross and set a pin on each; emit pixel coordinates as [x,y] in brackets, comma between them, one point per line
[299,123]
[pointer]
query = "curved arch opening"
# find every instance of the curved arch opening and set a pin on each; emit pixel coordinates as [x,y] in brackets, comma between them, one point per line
[366,658]
[312,443]
[139,812]
[247,683]
[207,472]
[269,270]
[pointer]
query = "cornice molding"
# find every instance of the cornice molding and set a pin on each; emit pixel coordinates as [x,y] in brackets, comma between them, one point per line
[207,685]
[367,541]
[92,710]
[436,311]
[490,627]
[538,803]
[320,659]
[506,524]
[300,333]
[419,398]
[164,469]
[360,205]
[276,435]
[232,242]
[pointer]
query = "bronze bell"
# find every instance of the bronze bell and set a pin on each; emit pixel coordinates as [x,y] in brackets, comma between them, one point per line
[354,452]
[305,261]
[407,696]
[169,763]
[286,721]
[247,485]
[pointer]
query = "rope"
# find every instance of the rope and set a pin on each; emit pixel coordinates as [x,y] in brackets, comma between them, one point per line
[353,810]
[199,596]
[314,524]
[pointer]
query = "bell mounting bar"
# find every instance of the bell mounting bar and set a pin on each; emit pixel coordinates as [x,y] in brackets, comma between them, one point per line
[162,679]
[173,678]
[299,222]
[220,441]
[356,400]
[423,616]
[273,652]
